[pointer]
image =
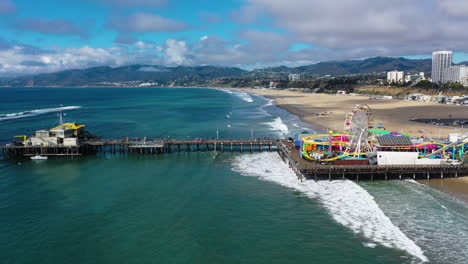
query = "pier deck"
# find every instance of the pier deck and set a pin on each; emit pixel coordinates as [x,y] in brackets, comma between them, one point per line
[302,168]
[308,170]
[164,146]
[143,147]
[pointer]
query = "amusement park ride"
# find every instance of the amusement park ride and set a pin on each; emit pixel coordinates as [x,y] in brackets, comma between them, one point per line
[358,124]
[360,142]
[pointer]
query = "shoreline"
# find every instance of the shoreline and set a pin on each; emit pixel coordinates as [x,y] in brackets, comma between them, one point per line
[455,187]
[329,111]
[290,110]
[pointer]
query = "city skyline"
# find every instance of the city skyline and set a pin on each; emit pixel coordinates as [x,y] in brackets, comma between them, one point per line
[444,71]
[54,35]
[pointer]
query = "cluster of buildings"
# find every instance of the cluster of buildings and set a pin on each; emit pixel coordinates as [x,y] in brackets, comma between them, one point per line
[399,77]
[443,71]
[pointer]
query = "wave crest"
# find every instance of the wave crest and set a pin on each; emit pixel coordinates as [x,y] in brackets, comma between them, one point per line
[278,125]
[4,117]
[348,203]
[242,95]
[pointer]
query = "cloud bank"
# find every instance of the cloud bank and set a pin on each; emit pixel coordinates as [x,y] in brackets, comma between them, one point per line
[258,33]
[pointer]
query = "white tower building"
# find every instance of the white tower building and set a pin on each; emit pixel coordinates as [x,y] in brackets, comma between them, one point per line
[441,61]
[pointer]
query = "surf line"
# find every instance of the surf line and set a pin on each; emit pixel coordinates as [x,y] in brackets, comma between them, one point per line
[347,202]
[36,112]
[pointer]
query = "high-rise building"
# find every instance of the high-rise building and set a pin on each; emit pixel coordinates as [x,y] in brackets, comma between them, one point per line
[395,76]
[441,61]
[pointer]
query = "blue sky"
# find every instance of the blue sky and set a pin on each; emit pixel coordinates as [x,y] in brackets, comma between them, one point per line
[52,35]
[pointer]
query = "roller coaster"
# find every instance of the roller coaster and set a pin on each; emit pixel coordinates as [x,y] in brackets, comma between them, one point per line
[360,138]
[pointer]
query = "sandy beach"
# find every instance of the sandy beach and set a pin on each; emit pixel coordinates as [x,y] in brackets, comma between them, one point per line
[329,111]
[395,115]
[457,187]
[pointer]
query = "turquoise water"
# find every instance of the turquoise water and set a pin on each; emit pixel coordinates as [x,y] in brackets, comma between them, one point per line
[201,207]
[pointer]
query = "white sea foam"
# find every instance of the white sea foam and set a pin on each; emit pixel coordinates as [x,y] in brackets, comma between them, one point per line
[225,90]
[242,95]
[369,244]
[270,102]
[348,203]
[278,125]
[24,114]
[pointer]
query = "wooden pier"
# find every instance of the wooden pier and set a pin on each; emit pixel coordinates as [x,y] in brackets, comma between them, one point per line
[142,147]
[8,151]
[308,170]
[291,156]
[168,146]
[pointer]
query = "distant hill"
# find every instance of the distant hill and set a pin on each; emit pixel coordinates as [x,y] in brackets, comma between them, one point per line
[203,74]
[371,65]
[105,74]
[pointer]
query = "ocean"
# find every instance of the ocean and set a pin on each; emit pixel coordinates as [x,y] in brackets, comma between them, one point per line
[202,207]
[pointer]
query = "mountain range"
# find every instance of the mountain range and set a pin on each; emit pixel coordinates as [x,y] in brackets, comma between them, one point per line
[198,74]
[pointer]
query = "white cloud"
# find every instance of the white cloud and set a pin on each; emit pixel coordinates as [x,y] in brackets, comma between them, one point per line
[176,52]
[16,61]
[46,59]
[51,26]
[246,14]
[146,22]
[257,48]
[398,27]
[143,45]
[458,8]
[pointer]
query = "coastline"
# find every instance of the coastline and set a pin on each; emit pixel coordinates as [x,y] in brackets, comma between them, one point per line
[305,110]
[329,111]
[457,187]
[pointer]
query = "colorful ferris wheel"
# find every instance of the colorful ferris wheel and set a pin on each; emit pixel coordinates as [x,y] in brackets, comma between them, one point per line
[357,127]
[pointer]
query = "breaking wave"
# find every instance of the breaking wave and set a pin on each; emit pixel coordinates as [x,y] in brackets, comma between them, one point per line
[348,203]
[242,95]
[270,102]
[4,117]
[278,125]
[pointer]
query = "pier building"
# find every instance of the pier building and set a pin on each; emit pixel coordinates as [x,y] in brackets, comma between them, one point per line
[361,153]
[67,134]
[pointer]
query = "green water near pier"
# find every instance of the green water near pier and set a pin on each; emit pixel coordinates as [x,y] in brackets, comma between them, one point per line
[198,207]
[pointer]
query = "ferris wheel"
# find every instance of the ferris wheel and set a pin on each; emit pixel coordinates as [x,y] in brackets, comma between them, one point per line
[357,127]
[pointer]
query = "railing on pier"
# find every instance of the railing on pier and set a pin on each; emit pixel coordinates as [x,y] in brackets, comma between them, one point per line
[303,169]
[142,147]
[162,146]
[379,172]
